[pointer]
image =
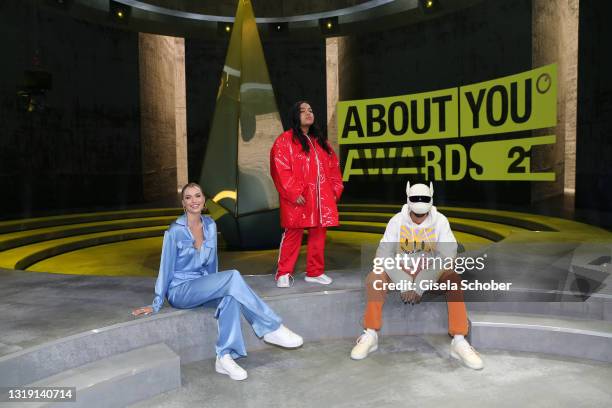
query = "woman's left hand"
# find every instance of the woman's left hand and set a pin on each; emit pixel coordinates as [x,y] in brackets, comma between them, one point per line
[146,310]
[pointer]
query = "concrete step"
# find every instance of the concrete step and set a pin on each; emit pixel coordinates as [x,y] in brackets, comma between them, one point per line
[192,333]
[119,380]
[596,308]
[25,256]
[564,336]
[31,236]
[68,219]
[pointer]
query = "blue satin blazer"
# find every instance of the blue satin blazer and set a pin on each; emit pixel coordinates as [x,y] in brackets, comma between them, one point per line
[180,261]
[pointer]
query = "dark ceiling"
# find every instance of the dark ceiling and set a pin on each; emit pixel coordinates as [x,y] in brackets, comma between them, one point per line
[200,18]
[263,8]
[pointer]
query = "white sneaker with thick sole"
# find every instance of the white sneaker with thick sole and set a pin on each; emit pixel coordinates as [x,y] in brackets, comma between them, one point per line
[323,279]
[462,351]
[226,365]
[366,344]
[284,281]
[283,337]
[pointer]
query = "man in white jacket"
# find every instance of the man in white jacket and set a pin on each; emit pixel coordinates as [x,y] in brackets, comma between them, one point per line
[419,231]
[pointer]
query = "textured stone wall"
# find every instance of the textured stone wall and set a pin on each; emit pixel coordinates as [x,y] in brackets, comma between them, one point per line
[332,45]
[555,40]
[181,114]
[162,107]
[341,80]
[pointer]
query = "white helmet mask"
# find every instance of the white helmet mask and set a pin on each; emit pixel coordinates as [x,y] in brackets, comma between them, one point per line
[420,197]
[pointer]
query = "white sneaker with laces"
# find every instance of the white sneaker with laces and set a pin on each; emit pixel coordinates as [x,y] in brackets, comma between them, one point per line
[323,279]
[226,365]
[283,337]
[366,344]
[462,351]
[284,281]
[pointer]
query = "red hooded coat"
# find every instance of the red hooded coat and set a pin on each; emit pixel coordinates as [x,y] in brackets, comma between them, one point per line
[314,175]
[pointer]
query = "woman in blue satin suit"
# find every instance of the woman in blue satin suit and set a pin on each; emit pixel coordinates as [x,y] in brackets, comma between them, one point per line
[188,278]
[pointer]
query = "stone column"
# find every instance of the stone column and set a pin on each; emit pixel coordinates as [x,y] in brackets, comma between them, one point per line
[163,117]
[181,114]
[331,63]
[555,40]
[341,84]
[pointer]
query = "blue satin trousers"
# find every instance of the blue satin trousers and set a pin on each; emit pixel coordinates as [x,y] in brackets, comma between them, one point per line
[232,296]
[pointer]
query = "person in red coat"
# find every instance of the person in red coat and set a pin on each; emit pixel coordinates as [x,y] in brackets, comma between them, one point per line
[306,173]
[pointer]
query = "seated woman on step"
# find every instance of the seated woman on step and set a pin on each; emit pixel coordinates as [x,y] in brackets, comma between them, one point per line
[188,278]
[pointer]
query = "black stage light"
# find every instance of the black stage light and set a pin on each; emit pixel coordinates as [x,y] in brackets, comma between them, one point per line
[224,29]
[119,12]
[329,25]
[429,6]
[278,28]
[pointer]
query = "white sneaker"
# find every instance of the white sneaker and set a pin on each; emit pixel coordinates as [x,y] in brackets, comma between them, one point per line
[462,351]
[323,279]
[284,281]
[283,337]
[366,343]
[226,365]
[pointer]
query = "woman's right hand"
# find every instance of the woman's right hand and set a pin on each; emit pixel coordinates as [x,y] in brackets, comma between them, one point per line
[300,200]
[145,310]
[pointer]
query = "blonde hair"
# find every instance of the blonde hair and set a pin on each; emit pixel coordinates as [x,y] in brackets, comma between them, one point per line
[190,185]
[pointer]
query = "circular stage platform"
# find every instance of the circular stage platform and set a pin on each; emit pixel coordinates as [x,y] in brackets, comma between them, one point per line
[127,243]
[67,330]
[74,327]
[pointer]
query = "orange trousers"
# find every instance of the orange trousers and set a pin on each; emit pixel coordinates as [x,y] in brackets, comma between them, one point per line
[457,314]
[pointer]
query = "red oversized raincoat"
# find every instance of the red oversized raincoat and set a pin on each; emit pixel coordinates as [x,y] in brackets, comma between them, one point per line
[314,175]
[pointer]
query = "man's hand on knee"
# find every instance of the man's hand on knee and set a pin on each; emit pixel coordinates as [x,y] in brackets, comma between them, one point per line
[411,297]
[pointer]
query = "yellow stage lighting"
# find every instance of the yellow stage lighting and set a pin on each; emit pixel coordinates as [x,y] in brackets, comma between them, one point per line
[429,6]
[329,25]
[225,194]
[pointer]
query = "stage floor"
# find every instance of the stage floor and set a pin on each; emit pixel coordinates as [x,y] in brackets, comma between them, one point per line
[406,371]
[49,326]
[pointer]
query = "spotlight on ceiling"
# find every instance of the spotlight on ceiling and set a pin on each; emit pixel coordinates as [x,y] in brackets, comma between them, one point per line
[119,12]
[278,28]
[429,6]
[329,25]
[224,29]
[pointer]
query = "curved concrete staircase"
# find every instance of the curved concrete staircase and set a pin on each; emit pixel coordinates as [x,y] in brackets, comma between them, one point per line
[131,361]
